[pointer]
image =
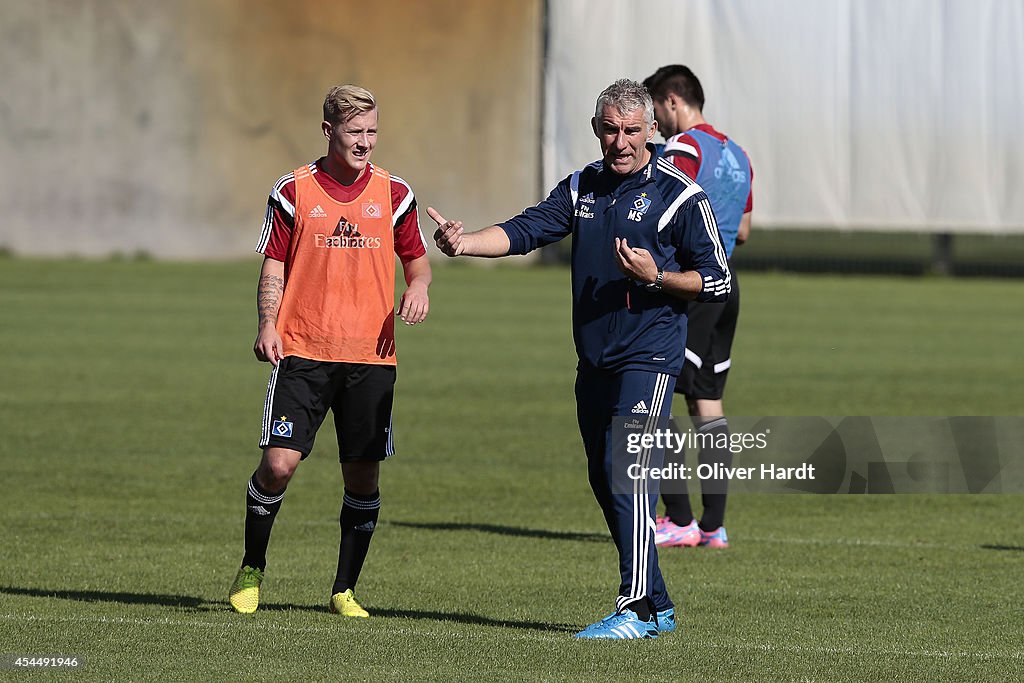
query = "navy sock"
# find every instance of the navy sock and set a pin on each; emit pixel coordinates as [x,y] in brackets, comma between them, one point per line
[642,607]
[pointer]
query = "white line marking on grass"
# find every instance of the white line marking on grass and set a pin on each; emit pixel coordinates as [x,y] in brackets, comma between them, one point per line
[333,523]
[860,542]
[248,622]
[930,654]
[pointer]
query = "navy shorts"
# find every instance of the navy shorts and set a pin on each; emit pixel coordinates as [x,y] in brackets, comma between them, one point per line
[301,391]
[710,328]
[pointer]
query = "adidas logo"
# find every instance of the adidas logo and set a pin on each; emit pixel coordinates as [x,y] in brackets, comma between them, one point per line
[641,408]
[368,526]
[317,212]
[259,510]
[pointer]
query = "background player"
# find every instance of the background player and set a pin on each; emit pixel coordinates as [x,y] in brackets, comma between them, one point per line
[326,323]
[723,170]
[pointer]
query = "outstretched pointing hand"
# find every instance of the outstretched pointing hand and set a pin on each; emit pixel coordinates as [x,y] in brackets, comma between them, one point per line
[448,236]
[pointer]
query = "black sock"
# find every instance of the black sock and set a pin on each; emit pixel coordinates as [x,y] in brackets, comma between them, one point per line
[358,518]
[677,503]
[677,506]
[714,503]
[260,510]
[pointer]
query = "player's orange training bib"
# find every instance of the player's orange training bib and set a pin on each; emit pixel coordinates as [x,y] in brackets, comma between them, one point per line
[339,302]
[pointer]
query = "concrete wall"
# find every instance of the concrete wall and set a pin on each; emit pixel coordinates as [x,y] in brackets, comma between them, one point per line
[160,127]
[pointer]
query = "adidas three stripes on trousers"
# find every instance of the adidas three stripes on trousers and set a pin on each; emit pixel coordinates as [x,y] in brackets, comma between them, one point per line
[600,397]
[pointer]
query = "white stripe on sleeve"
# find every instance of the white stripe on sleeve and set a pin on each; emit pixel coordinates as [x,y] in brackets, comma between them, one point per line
[678,147]
[670,212]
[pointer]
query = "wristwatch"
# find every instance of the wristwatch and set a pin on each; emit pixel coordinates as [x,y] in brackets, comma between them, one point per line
[658,281]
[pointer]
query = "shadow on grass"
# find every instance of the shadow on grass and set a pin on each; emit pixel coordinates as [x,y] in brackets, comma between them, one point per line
[158,599]
[475,619]
[433,615]
[195,604]
[1014,548]
[505,531]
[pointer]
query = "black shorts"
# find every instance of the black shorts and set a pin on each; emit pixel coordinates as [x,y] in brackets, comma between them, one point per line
[710,329]
[301,391]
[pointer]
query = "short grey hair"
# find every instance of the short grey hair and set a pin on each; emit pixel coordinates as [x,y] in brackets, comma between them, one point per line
[626,96]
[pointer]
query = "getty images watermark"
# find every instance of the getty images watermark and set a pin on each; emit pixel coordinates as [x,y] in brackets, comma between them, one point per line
[819,455]
[722,442]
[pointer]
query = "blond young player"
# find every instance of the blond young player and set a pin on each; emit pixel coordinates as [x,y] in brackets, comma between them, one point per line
[326,324]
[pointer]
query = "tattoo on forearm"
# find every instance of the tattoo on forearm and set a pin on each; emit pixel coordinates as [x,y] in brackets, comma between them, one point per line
[268,297]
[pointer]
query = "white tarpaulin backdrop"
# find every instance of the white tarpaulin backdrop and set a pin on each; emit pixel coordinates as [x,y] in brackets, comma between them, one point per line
[871,114]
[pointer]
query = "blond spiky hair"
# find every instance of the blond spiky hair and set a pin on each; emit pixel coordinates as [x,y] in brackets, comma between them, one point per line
[345,101]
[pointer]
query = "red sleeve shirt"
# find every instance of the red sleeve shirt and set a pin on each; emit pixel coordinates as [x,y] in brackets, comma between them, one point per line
[685,154]
[280,215]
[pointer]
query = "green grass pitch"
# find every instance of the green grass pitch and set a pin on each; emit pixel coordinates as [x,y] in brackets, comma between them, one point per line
[130,405]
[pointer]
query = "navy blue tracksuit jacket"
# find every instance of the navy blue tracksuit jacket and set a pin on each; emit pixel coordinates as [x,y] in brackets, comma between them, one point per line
[617,324]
